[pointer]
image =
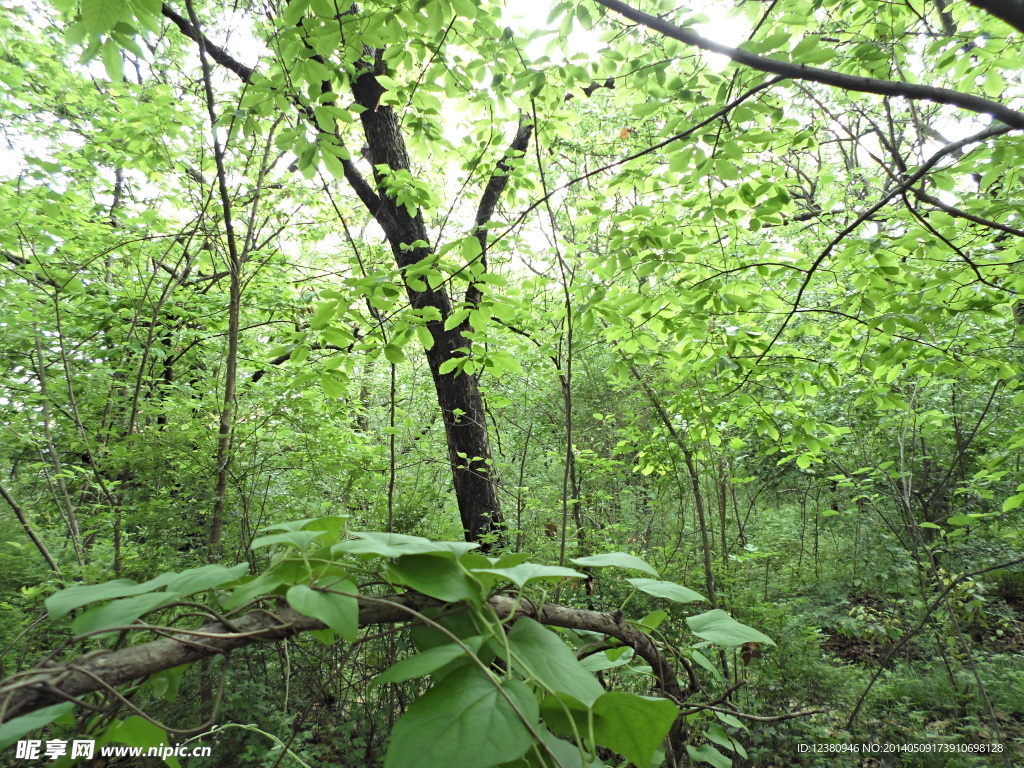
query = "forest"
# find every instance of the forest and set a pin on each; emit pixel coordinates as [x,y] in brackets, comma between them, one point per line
[494,384]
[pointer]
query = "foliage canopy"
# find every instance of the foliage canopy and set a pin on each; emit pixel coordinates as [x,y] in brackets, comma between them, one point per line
[472,323]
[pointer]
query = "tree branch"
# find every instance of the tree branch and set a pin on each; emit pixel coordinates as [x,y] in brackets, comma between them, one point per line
[920,194]
[53,683]
[355,179]
[20,514]
[795,71]
[499,180]
[213,50]
[1010,11]
[492,194]
[649,150]
[282,359]
[905,184]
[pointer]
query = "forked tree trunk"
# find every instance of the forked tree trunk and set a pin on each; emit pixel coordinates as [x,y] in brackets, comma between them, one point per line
[458,395]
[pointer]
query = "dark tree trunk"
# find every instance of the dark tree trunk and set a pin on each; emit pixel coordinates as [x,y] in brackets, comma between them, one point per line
[458,395]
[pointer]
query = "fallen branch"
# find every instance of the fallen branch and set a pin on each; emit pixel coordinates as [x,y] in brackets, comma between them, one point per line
[52,683]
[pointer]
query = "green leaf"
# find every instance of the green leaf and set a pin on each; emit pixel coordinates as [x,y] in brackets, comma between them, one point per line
[703,661]
[634,726]
[425,337]
[616,560]
[398,544]
[1013,502]
[394,354]
[469,248]
[167,683]
[323,313]
[298,539]
[653,619]
[462,624]
[333,387]
[708,754]
[388,83]
[261,585]
[333,163]
[464,721]
[323,636]
[721,737]
[100,16]
[332,523]
[339,612]
[731,721]
[434,576]
[17,727]
[668,590]
[67,600]
[425,663]
[139,732]
[719,627]
[181,584]
[806,45]
[293,12]
[565,715]
[545,658]
[203,578]
[524,573]
[566,754]
[110,54]
[601,661]
[451,364]
[119,612]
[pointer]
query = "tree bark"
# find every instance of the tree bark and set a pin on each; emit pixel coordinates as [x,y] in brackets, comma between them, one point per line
[1010,11]
[458,395]
[54,683]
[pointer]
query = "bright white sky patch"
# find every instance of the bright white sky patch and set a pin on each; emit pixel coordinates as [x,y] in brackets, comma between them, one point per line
[723,26]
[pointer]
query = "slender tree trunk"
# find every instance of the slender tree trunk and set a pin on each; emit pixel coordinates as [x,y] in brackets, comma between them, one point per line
[691,471]
[30,532]
[235,259]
